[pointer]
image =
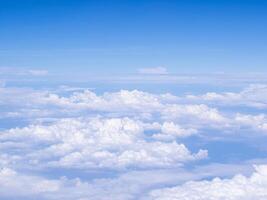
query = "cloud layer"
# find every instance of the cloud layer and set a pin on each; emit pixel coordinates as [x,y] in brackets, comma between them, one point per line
[94,143]
[73,143]
[239,187]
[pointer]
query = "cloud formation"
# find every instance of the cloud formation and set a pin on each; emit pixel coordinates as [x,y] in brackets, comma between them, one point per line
[94,143]
[193,115]
[134,144]
[253,96]
[153,71]
[239,187]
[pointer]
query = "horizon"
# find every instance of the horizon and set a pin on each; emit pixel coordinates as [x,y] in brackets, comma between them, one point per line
[133,100]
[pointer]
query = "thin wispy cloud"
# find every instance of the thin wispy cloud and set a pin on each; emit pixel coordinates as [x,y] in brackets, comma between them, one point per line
[38,72]
[153,71]
[22,71]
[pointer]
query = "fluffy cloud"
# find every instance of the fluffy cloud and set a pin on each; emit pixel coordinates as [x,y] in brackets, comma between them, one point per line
[253,96]
[169,131]
[124,103]
[93,143]
[16,185]
[127,186]
[258,122]
[239,187]
[135,135]
[133,185]
[137,103]
[134,104]
[11,181]
[190,112]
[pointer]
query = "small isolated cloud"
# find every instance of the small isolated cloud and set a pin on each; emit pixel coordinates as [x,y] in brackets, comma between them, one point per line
[153,70]
[22,71]
[38,72]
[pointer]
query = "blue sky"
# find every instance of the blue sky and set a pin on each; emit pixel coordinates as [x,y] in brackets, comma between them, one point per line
[122,36]
[133,100]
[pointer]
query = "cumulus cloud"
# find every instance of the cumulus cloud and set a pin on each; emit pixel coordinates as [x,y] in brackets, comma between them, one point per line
[135,134]
[135,104]
[93,143]
[169,131]
[128,103]
[130,185]
[258,122]
[254,95]
[134,185]
[17,185]
[239,187]
[11,181]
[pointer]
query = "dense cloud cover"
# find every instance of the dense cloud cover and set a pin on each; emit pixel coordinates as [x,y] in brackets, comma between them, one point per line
[72,143]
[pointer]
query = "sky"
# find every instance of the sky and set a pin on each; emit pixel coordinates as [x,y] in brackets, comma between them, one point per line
[121,36]
[133,100]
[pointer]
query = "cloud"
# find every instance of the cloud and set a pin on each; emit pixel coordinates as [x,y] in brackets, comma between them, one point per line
[153,71]
[120,145]
[11,181]
[194,116]
[130,103]
[15,71]
[127,186]
[170,131]
[239,187]
[131,185]
[254,95]
[38,72]
[136,103]
[92,143]
[258,122]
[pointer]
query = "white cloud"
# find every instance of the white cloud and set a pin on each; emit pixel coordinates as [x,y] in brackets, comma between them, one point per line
[127,186]
[192,112]
[130,185]
[258,122]
[92,143]
[253,96]
[239,187]
[15,184]
[153,71]
[119,132]
[123,103]
[169,131]
[133,104]
[38,72]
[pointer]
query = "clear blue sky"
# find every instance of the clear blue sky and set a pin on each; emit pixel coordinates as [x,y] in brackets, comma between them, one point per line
[121,36]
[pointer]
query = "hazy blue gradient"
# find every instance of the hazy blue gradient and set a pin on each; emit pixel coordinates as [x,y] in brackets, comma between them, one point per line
[109,99]
[106,37]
